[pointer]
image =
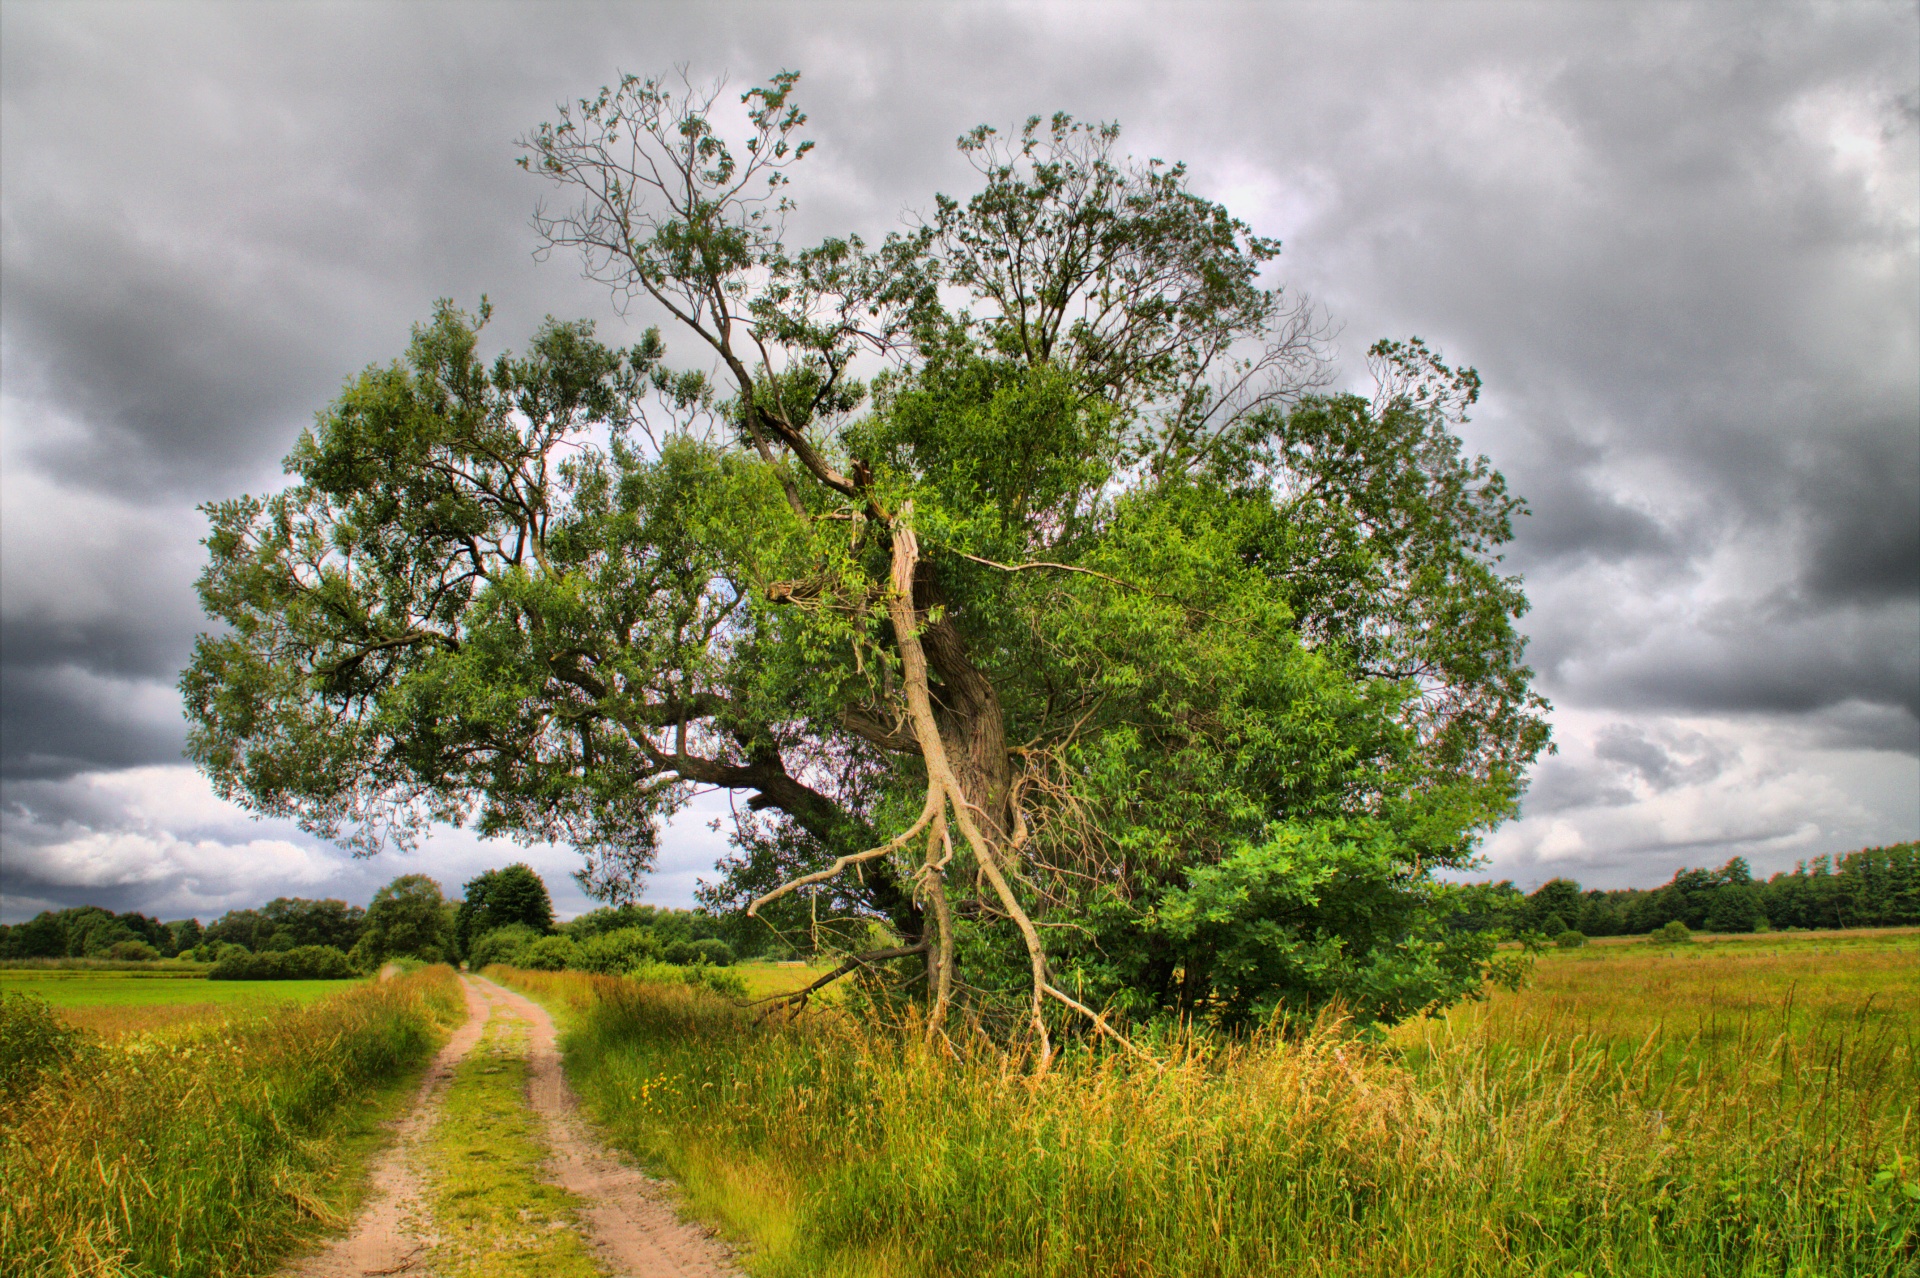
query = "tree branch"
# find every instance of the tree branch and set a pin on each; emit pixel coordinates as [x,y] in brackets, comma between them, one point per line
[851,963]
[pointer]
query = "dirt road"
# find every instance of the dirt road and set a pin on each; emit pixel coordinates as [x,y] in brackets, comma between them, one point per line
[627,1220]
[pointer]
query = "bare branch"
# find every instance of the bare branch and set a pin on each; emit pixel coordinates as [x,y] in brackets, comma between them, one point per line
[852,963]
[927,814]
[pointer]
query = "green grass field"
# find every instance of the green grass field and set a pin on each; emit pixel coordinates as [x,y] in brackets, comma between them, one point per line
[1731,1108]
[116,1003]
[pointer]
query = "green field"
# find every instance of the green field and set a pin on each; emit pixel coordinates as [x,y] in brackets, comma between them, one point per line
[119,1002]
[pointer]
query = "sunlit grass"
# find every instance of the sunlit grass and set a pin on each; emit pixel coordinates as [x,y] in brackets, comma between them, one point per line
[116,1003]
[766,979]
[1736,1110]
[211,1148]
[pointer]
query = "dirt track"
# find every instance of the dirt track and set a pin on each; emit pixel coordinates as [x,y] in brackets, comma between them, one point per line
[628,1219]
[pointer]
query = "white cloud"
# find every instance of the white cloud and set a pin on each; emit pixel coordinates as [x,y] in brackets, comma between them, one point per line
[1631,798]
[157,839]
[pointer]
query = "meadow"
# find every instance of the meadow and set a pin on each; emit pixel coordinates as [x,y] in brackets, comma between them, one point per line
[1737,1108]
[117,1002]
[210,1148]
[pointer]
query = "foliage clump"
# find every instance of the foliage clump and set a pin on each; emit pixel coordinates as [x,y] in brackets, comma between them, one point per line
[406,919]
[504,945]
[301,963]
[33,1043]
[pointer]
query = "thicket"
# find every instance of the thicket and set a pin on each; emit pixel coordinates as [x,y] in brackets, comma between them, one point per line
[202,1151]
[287,922]
[302,963]
[845,1145]
[1873,887]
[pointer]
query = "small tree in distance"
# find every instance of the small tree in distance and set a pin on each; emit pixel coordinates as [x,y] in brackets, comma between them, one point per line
[1085,642]
[404,920]
[499,898]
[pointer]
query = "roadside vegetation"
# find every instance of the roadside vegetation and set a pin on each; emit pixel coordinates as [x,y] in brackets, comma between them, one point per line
[1709,1110]
[203,1149]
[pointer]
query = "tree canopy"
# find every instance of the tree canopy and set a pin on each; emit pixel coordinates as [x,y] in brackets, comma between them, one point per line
[1018,575]
[405,919]
[495,899]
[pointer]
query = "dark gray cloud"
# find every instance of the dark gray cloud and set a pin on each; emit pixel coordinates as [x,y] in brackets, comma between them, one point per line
[1679,241]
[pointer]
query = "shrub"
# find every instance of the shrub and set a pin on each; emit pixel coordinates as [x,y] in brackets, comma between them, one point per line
[618,952]
[132,952]
[700,976]
[716,952]
[680,953]
[1570,939]
[1674,933]
[506,945]
[301,963]
[551,954]
[33,1041]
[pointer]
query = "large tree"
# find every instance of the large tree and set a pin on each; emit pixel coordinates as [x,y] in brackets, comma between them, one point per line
[1012,573]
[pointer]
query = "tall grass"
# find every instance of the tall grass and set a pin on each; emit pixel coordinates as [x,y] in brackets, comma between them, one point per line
[204,1150]
[1511,1142]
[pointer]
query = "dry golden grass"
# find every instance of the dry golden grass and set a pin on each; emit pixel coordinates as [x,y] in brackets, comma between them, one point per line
[1700,1111]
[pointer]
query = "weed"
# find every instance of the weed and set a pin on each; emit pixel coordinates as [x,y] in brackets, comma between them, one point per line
[498,1217]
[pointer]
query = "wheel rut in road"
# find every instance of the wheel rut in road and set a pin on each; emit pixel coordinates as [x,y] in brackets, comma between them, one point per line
[627,1220]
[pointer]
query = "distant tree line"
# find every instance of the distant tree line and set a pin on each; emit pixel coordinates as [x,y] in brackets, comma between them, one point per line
[91,931]
[1874,887]
[505,915]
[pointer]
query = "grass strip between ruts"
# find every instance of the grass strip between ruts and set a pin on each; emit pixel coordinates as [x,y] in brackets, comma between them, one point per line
[494,1211]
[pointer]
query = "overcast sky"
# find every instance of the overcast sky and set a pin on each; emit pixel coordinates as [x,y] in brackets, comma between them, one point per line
[1678,241]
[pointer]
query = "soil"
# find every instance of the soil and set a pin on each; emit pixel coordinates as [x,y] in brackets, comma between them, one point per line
[630,1220]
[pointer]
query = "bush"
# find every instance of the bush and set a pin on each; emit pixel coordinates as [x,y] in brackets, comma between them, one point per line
[689,953]
[618,952]
[132,952]
[551,954]
[301,963]
[700,976]
[506,945]
[33,1041]
[716,952]
[1570,939]
[1674,933]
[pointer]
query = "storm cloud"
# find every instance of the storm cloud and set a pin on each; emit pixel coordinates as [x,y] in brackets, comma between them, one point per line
[1680,242]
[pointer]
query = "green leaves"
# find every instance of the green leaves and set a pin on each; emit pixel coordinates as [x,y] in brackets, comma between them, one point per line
[1223,669]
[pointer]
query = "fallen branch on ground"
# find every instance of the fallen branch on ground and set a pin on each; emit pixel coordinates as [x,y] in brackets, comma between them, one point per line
[852,963]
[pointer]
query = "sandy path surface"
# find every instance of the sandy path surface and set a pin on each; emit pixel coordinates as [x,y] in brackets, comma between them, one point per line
[632,1222]
[629,1219]
[393,1234]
